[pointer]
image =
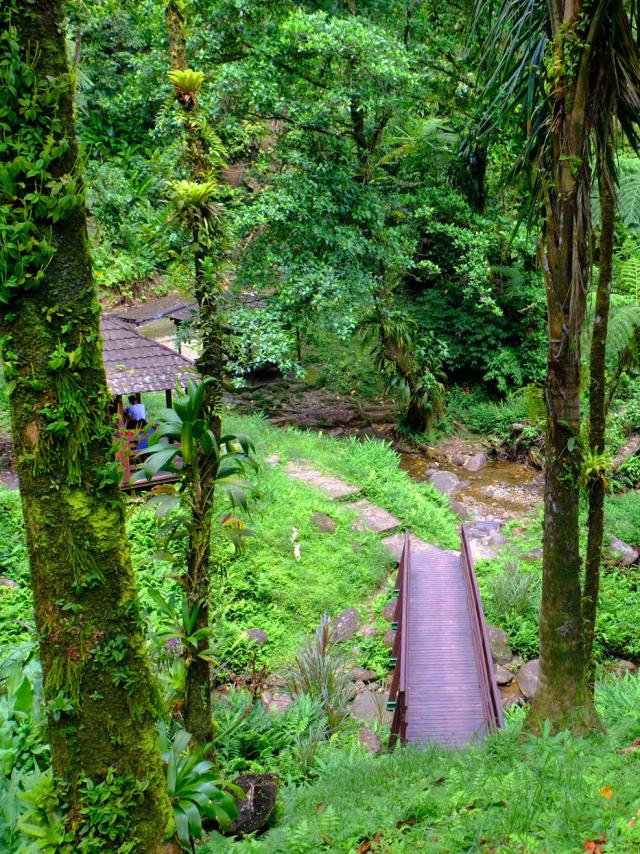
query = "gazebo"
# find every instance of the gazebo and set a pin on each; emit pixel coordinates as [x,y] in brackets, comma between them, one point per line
[135,364]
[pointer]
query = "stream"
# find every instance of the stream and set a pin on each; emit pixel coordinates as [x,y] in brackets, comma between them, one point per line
[501,490]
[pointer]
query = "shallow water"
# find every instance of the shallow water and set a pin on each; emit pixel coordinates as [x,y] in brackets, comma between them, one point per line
[501,490]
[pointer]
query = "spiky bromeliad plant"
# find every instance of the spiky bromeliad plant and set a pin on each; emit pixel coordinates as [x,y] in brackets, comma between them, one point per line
[195,789]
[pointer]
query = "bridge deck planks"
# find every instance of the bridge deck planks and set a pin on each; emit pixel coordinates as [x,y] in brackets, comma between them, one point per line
[444,698]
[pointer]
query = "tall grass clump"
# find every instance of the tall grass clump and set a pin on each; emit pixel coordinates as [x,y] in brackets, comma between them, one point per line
[318,671]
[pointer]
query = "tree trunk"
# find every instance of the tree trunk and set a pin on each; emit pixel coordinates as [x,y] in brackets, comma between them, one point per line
[176,32]
[563,697]
[208,294]
[101,700]
[597,411]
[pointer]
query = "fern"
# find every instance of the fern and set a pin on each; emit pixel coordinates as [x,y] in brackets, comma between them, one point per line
[629,194]
[629,278]
[624,324]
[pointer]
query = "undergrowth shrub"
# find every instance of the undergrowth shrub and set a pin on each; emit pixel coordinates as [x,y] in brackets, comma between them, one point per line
[319,672]
[513,792]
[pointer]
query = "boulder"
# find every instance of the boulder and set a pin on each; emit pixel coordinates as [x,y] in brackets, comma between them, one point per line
[446,482]
[499,643]
[389,610]
[257,636]
[503,676]
[276,703]
[257,806]
[389,638]
[370,706]
[511,700]
[483,527]
[368,631]
[621,666]
[624,553]
[476,463]
[273,460]
[361,674]
[536,458]
[533,554]
[528,678]
[462,511]
[345,625]
[8,582]
[458,459]
[369,739]
[323,522]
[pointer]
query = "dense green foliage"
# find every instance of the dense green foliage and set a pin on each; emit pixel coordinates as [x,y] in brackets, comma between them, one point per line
[548,793]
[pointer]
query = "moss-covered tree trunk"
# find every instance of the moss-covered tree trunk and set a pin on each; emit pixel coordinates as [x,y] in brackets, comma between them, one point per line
[597,408]
[563,696]
[99,691]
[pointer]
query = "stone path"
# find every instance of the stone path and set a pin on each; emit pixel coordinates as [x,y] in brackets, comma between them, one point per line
[329,484]
[376,519]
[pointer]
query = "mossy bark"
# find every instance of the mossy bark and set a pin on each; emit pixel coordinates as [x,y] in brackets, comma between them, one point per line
[563,697]
[98,686]
[597,408]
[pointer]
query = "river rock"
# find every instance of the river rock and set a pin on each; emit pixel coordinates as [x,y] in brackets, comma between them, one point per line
[511,700]
[499,643]
[503,676]
[458,459]
[624,553]
[462,511]
[389,610]
[345,625]
[256,808]
[323,522]
[476,463]
[369,739]
[257,636]
[528,678]
[361,674]
[446,482]
[535,458]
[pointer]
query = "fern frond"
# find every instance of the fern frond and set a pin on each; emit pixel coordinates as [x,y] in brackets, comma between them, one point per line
[624,325]
[628,280]
[629,197]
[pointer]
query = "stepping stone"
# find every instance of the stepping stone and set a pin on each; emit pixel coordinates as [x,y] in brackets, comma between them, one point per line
[330,485]
[374,518]
[395,543]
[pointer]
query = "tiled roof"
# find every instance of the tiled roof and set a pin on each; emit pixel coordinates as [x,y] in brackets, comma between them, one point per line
[135,363]
[153,309]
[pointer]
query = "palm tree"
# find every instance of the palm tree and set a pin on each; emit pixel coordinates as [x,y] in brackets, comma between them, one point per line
[570,68]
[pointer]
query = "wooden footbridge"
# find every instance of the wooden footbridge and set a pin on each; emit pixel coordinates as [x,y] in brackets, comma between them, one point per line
[443,686]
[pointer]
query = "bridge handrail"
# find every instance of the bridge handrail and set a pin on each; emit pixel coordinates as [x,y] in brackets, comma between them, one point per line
[398,690]
[488,684]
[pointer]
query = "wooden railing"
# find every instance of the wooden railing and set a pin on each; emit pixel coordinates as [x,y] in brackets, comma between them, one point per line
[398,691]
[488,684]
